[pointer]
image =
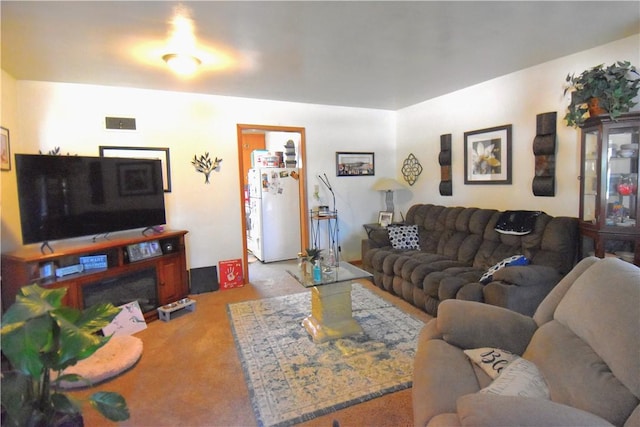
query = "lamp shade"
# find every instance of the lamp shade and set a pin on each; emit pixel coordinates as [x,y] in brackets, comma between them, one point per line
[387,184]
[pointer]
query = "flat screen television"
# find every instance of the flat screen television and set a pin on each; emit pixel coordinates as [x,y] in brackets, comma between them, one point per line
[62,197]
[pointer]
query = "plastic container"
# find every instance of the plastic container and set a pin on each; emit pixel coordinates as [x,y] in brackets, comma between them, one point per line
[317,272]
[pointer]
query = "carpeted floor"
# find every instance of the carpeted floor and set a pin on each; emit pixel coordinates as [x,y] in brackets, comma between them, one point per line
[190,373]
[291,379]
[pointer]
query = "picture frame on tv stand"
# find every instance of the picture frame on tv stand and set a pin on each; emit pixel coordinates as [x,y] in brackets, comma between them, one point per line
[144,250]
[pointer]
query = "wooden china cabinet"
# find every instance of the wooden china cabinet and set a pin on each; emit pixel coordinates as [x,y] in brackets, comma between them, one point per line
[609,209]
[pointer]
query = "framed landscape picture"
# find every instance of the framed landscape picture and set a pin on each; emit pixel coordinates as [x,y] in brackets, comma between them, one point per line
[355,164]
[487,156]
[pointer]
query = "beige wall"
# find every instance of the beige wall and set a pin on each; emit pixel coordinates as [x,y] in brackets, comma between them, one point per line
[42,116]
[71,116]
[513,99]
[8,188]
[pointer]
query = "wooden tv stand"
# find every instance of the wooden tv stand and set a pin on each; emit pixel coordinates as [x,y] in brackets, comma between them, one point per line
[24,266]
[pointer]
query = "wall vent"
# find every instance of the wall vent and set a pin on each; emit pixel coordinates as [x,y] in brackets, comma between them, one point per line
[120,123]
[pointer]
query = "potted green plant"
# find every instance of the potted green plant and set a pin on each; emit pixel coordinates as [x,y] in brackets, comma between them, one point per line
[610,88]
[312,254]
[41,336]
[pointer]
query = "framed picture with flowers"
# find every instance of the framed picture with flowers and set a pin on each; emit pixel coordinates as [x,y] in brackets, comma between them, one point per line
[487,156]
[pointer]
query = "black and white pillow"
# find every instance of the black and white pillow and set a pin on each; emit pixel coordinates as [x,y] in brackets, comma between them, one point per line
[491,360]
[512,260]
[404,237]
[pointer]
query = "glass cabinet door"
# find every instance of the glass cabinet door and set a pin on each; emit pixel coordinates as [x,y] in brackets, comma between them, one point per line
[590,170]
[621,181]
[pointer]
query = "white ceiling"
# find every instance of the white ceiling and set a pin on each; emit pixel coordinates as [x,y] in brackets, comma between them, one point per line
[384,55]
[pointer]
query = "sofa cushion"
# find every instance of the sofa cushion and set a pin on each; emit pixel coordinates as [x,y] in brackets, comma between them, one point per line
[480,409]
[613,333]
[512,260]
[577,376]
[404,237]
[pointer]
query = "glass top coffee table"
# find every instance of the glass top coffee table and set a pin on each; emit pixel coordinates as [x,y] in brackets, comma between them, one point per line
[331,315]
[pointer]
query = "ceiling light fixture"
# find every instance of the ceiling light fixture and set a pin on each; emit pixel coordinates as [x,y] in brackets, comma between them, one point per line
[183,64]
[181,50]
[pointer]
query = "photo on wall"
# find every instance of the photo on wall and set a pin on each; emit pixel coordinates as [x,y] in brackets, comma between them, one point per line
[487,156]
[355,164]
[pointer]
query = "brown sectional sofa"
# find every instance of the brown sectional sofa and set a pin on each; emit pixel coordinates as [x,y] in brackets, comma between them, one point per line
[458,245]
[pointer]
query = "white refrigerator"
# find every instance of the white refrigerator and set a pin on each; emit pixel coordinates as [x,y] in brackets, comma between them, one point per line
[273,223]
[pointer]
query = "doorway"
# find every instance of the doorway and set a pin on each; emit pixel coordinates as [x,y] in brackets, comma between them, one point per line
[252,137]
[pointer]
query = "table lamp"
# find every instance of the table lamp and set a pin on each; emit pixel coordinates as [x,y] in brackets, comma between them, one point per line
[388,185]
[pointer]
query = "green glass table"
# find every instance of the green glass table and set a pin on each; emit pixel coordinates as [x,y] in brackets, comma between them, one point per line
[331,314]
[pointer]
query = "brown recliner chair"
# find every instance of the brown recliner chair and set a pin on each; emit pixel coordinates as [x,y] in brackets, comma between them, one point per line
[584,340]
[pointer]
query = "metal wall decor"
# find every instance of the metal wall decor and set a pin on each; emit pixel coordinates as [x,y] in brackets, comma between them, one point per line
[411,169]
[205,165]
[544,150]
[446,186]
[53,152]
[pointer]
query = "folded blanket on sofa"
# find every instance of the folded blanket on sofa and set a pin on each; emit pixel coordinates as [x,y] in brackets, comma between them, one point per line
[517,222]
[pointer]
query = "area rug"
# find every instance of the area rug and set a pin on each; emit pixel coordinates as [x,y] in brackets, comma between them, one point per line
[291,379]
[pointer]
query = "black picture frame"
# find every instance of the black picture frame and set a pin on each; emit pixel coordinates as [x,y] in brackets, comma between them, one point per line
[355,164]
[143,153]
[487,156]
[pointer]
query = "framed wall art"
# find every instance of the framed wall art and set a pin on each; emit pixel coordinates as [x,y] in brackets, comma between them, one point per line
[143,153]
[487,156]
[355,164]
[5,150]
[136,179]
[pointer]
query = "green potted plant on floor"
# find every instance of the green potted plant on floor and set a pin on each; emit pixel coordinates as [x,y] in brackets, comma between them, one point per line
[608,89]
[41,336]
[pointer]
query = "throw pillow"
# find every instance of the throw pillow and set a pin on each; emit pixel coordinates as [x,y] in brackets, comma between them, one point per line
[518,223]
[520,378]
[491,360]
[512,260]
[404,237]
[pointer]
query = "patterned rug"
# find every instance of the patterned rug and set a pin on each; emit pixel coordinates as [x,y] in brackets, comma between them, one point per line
[292,380]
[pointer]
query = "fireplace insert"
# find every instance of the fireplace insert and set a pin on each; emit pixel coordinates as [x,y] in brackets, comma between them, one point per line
[136,286]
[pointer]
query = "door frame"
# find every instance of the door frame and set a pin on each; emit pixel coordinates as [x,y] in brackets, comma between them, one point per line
[302,187]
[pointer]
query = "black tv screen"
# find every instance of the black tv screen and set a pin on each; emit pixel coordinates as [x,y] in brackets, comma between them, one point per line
[70,196]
